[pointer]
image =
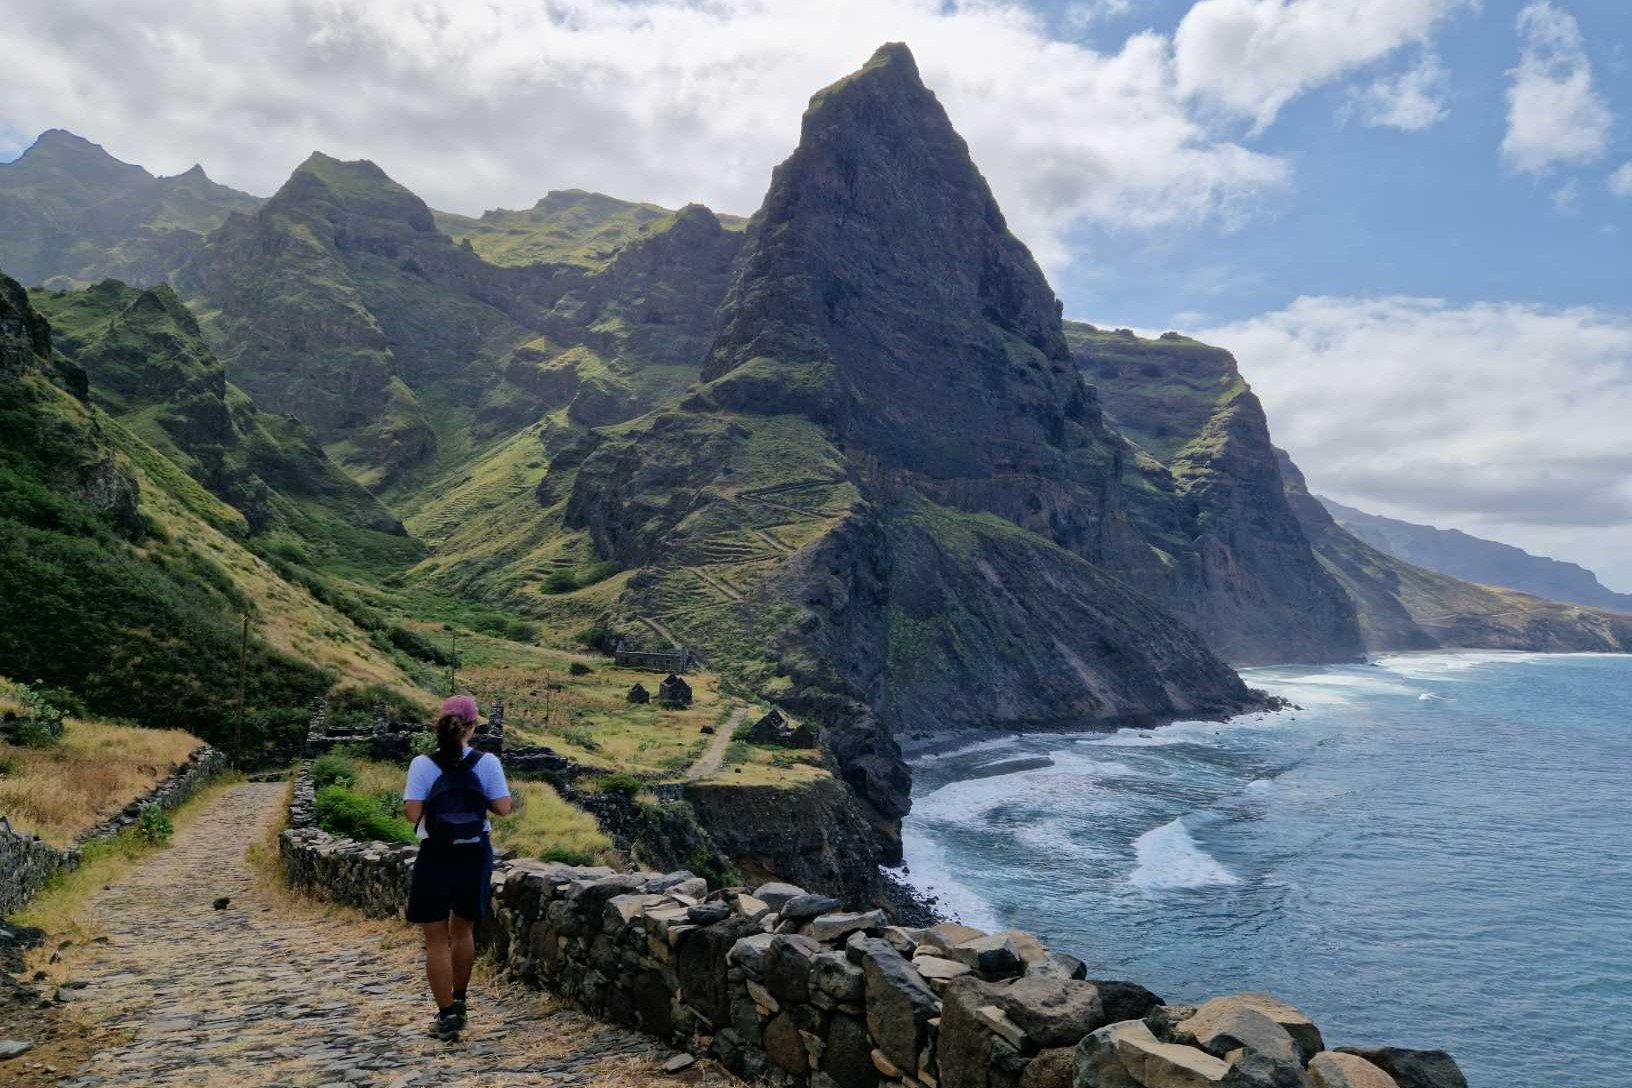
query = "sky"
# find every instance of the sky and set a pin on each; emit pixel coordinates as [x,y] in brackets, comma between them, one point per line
[1409,219]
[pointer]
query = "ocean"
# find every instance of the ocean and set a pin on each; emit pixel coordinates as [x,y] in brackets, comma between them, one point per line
[1435,850]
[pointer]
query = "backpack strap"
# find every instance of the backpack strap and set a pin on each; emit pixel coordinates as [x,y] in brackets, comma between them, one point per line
[470,761]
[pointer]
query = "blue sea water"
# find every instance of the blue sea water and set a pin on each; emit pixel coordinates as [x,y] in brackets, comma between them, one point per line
[1435,851]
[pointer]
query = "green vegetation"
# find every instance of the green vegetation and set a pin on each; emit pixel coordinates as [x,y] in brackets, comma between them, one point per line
[542,825]
[369,817]
[566,227]
[153,826]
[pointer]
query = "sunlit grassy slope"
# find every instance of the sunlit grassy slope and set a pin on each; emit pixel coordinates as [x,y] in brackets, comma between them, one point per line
[97,769]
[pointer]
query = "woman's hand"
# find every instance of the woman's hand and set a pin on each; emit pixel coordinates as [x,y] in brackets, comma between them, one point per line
[412,811]
[500,806]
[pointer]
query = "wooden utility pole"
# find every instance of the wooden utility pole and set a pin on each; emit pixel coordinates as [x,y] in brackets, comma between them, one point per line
[453,664]
[243,675]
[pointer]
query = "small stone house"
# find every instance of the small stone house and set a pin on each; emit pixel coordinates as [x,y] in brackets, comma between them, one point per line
[775,729]
[639,695]
[674,692]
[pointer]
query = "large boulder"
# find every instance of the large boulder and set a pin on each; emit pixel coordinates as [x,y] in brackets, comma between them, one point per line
[1127,1055]
[1122,1000]
[1251,1069]
[700,962]
[1334,1069]
[1050,1069]
[802,908]
[787,967]
[784,1045]
[963,1046]
[775,894]
[1225,1024]
[993,956]
[847,1056]
[899,1003]
[1413,1068]
[1303,1030]
[1052,1012]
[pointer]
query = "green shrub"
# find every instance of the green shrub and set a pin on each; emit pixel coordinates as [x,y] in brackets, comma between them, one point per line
[520,631]
[625,784]
[353,815]
[566,855]
[7,767]
[578,668]
[597,638]
[333,769]
[580,736]
[423,743]
[560,581]
[69,703]
[40,725]
[153,826]
[416,645]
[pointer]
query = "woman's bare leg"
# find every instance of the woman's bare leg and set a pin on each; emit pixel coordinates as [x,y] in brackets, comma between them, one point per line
[439,963]
[462,938]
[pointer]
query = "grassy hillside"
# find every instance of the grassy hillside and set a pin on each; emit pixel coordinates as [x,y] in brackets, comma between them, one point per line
[568,226]
[98,767]
[124,580]
[150,369]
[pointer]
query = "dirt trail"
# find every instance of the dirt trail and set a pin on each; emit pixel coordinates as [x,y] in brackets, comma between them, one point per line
[274,990]
[709,762]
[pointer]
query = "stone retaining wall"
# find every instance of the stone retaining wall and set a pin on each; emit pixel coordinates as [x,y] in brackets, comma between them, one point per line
[171,793]
[27,863]
[781,986]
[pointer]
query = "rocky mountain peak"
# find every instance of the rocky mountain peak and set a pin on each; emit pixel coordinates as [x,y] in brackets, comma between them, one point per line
[883,294]
[354,189]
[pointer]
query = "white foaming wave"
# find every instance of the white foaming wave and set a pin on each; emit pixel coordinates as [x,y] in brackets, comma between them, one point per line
[1186,732]
[1447,664]
[990,744]
[1168,859]
[931,874]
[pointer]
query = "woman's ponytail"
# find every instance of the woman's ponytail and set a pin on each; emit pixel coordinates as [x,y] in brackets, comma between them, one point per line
[450,741]
[459,713]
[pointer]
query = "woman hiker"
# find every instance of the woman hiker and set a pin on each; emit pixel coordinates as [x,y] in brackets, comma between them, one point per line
[447,799]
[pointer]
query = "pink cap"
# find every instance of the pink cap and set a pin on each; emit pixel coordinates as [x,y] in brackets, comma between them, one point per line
[461,706]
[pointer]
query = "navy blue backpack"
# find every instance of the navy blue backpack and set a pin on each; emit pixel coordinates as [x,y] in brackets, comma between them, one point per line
[456,807]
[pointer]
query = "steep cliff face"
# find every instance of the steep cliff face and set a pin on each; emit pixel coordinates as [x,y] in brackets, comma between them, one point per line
[1230,556]
[883,503]
[71,211]
[1404,607]
[121,578]
[1490,562]
[148,367]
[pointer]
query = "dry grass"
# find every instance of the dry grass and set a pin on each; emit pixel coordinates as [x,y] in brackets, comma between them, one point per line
[543,824]
[98,768]
[60,909]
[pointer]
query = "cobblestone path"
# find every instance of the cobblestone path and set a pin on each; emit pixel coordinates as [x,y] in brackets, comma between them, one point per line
[275,991]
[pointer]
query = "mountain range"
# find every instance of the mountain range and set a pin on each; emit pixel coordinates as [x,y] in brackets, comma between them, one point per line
[1462,555]
[848,450]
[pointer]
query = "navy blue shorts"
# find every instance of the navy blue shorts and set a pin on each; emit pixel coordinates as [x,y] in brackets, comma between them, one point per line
[451,880]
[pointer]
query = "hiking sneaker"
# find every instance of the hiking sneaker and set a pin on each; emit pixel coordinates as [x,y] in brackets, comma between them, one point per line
[460,1012]
[446,1026]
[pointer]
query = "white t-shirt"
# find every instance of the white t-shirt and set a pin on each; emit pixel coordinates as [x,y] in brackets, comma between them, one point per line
[423,773]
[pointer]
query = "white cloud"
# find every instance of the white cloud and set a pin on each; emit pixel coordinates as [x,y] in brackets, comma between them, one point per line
[480,105]
[1252,57]
[1500,418]
[1567,197]
[1553,113]
[1620,182]
[1085,13]
[1411,100]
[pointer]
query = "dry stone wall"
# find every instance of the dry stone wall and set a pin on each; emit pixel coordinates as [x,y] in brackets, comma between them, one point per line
[780,985]
[28,863]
